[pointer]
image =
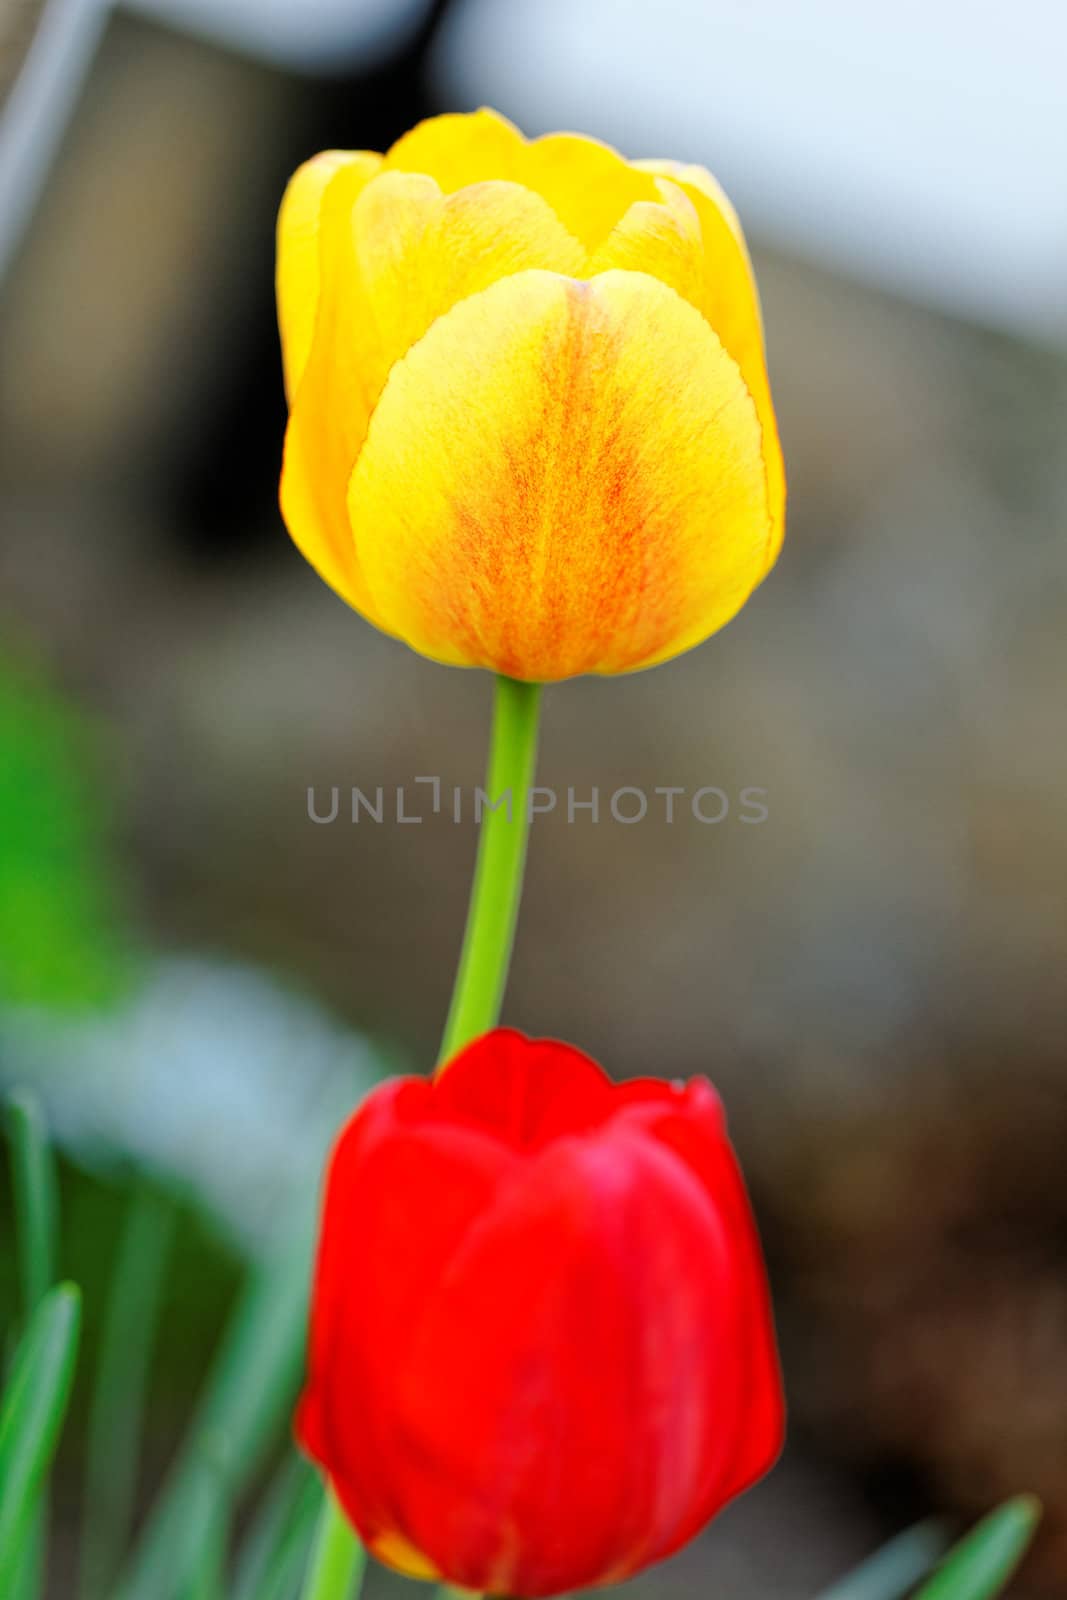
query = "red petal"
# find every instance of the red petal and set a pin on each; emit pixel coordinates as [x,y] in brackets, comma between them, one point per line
[694,1131]
[401,1196]
[575,1355]
[525,1091]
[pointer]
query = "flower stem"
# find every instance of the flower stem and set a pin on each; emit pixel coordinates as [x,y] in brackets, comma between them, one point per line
[494,902]
[337,1559]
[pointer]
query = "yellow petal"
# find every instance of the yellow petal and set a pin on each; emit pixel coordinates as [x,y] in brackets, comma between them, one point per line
[587,184]
[297,277]
[400,254]
[709,267]
[419,252]
[459,148]
[662,238]
[332,402]
[562,477]
[690,174]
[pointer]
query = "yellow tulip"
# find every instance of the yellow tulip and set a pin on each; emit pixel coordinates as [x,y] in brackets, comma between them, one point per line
[530,427]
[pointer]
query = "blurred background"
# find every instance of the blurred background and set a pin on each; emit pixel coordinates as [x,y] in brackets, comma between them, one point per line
[198,981]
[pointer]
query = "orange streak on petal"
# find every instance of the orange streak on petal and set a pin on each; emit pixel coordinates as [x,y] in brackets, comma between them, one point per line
[395,1551]
[562,477]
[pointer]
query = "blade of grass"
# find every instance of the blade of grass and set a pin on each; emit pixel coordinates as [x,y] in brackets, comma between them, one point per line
[209,1575]
[37,1223]
[117,1404]
[248,1394]
[36,1203]
[35,1402]
[338,1559]
[276,1547]
[982,1563]
[29,1576]
[283,1581]
[207,1526]
[895,1569]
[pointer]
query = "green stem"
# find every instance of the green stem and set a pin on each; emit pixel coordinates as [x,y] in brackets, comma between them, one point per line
[497,888]
[338,1558]
[36,1204]
[494,903]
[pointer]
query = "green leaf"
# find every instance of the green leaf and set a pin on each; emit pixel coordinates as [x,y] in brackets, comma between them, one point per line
[249,1394]
[117,1404]
[36,1203]
[982,1563]
[59,931]
[36,1220]
[896,1568]
[207,1526]
[275,1551]
[29,1575]
[209,1572]
[338,1558]
[34,1405]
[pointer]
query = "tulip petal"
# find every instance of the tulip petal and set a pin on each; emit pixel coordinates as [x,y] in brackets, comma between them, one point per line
[329,411]
[735,1455]
[562,477]
[587,184]
[595,1285]
[713,271]
[663,238]
[397,254]
[419,252]
[690,174]
[399,1196]
[378,1118]
[525,1090]
[460,148]
[298,270]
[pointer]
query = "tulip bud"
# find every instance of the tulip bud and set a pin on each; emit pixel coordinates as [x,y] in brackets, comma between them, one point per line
[542,1353]
[530,426]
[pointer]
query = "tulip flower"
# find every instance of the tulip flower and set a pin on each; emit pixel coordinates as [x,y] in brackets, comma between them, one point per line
[530,427]
[541,1350]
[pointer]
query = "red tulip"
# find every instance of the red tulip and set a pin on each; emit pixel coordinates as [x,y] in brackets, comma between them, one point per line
[542,1353]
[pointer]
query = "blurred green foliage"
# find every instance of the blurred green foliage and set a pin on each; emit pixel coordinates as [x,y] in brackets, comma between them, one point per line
[62,943]
[31,1416]
[983,1562]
